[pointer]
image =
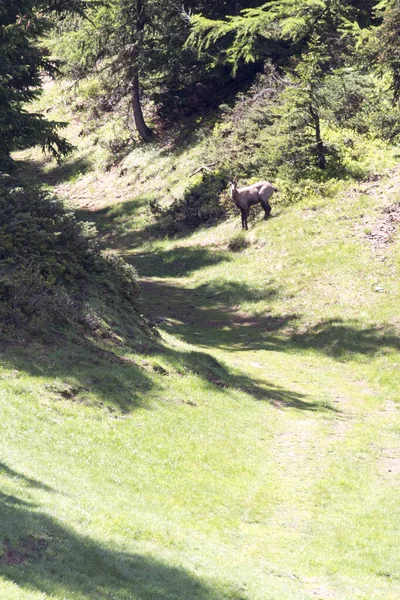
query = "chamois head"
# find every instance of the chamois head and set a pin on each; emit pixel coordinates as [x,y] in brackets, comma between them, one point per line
[233,185]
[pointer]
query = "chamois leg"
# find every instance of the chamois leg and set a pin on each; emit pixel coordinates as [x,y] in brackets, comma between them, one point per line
[267,209]
[243,218]
[245,214]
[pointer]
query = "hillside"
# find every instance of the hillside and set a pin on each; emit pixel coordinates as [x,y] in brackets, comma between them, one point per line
[252,450]
[191,411]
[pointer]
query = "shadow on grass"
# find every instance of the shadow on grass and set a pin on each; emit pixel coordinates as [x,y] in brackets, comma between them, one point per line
[210,316]
[113,221]
[177,262]
[40,555]
[11,474]
[33,170]
[120,225]
[343,339]
[215,375]
[81,373]
[215,305]
[119,384]
[67,171]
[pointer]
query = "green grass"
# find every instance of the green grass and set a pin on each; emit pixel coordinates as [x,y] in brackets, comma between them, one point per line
[252,453]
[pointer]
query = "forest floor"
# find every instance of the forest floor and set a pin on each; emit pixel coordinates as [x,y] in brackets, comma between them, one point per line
[256,455]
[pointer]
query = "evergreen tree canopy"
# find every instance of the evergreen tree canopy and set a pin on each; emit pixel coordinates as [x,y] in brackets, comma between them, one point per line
[278,29]
[21,24]
[388,35]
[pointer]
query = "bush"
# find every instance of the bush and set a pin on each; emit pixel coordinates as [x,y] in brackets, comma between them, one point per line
[27,299]
[37,229]
[52,264]
[238,242]
[202,203]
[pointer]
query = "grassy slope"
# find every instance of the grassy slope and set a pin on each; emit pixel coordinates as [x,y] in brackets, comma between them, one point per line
[255,455]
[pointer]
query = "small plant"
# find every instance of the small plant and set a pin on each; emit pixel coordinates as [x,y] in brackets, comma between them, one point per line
[238,242]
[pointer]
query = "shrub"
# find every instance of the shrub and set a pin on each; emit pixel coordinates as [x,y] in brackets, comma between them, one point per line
[52,264]
[238,242]
[201,203]
[28,300]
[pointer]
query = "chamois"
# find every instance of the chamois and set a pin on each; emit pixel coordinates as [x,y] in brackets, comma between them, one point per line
[247,196]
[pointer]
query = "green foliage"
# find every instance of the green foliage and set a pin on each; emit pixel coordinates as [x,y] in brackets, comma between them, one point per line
[276,29]
[388,35]
[29,301]
[202,203]
[121,41]
[51,264]
[21,25]
[269,133]
[238,242]
[319,88]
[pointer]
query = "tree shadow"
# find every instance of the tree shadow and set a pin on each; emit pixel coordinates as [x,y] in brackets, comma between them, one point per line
[207,316]
[33,170]
[81,373]
[204,317]
[113,220]
[119,384]
[208,309]
[343,339]
[210,316]
[216,376]
[69,169]
[119,232]
[177,262]
[12,474]
[40,555]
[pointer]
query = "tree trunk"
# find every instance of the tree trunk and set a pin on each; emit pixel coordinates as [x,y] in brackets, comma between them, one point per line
[321,159]
[144,132]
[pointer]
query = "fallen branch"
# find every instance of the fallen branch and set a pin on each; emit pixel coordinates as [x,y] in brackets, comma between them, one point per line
[203,168]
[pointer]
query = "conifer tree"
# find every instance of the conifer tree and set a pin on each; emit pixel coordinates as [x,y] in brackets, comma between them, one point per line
[113,39]
[21,67]
[388,36]
[310,41]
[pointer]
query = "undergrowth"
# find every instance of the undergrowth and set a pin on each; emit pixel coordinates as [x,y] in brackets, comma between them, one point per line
[54,272]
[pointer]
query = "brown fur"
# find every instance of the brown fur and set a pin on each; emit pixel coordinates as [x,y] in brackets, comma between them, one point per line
[257,193]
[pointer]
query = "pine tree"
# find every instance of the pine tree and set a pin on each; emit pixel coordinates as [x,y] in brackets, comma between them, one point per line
[388,36]
[309,41]
[277,29]
[21,67]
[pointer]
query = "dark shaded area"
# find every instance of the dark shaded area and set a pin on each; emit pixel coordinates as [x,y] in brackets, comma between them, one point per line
[41,555]
[115,226]
[12,474]
[342,339]
[106,380]
[206,306]
[32,170]
[214,374]
[200,206]
[117,231]
[111,221]
[182,104]
[13,501]
[210,316]
[85,373]
[66,171]
[177,262]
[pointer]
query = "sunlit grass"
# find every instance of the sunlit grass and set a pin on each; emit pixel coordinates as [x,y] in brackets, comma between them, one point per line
[252,453]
